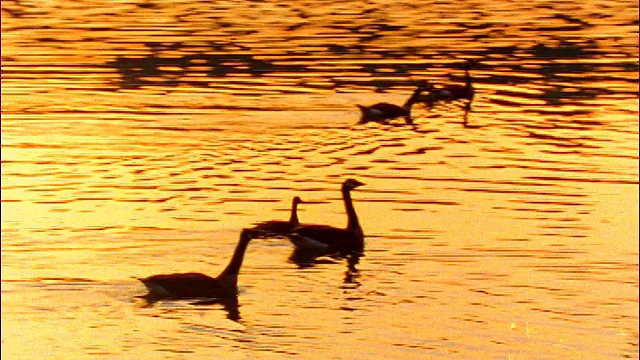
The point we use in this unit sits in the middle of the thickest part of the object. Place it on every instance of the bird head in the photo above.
(351, 184)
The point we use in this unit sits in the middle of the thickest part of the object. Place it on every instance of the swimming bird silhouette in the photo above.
(196, 285)
(318, 240)
(381, 112)
(274, 228)
(450, 92)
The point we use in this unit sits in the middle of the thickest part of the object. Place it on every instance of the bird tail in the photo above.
(364, 114)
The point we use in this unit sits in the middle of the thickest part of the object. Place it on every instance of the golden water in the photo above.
(139, 137)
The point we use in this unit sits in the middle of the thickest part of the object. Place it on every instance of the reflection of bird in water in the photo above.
(382, 112)
(312, 241)
(223, 288)
(352, 273)
(276, 228)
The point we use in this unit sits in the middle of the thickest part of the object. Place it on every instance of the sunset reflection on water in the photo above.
(139, 138)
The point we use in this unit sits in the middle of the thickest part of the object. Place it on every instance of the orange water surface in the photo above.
(140, 137)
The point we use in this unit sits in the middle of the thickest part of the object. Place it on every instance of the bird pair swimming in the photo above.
(450, 92)
(426, 94)
(319, 239)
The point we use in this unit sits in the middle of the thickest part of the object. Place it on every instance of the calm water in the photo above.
(139, 137)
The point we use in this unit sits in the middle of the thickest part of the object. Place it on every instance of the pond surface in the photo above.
(140, 137)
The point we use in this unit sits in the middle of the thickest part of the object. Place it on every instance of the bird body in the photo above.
(187, 285)
(196, 285)
(447, 93)
(453, 92)
(325, 239)
(383, 111)
(280, 227)
(328, 238)
(450, 92)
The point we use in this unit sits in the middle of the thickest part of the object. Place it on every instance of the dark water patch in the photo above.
(239, 200)
(417, 202)
(368, 152)
(182, 129)
(575, 179)
(550, 202)
(538, 210)
(571, 227)
(523, 192)
(422, 150)
(515, 240)
(135, 70)
(525, 252)
(61, 281)
(451, 259)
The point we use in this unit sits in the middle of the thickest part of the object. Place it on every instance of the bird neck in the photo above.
(352, 218)
(232, 270)
(412, 99)
(293, 219)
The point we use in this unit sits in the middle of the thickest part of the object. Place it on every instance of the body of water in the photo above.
(140, 137)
